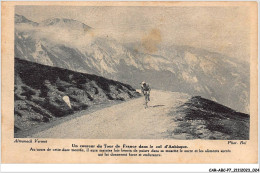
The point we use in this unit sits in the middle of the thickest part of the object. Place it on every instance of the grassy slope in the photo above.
(39, 89)
(200, 118)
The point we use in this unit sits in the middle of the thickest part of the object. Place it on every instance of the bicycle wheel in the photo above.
(146, 100)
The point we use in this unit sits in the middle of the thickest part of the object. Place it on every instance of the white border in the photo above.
(125, 167)
(120, 167)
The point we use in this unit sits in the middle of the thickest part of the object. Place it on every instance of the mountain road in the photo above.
(127, 120)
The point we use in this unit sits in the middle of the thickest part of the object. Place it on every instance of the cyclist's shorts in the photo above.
(146, 92)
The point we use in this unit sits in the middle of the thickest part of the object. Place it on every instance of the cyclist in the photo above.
(145, 88)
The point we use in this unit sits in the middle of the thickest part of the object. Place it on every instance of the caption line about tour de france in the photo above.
(139, 150)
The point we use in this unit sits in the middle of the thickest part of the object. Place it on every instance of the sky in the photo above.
(219, 29)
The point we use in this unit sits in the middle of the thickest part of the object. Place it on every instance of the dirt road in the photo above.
(128, 120)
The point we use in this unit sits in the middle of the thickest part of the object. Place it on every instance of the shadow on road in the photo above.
(157, 106)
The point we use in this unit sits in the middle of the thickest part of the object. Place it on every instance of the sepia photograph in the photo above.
(130, 82)
(132, 72)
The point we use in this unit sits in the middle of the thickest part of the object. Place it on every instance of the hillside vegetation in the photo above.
(39, 92)
(200, 118)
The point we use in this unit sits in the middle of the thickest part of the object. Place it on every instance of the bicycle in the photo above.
(147, 99)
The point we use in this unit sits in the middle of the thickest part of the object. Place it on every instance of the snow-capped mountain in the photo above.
(19, 19)
(65, 23)
(73, 45)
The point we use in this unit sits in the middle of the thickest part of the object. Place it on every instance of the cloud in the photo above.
(223, 29)
(58, 35)
(151, 40)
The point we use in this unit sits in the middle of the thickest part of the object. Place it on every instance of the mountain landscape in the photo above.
(168, 67)
(202, 94)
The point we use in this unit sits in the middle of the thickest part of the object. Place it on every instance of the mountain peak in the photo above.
(21, 19)
(64, 22)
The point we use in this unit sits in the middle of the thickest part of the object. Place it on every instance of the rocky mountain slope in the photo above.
(39, 91)
(200, 118)
(73, 45)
